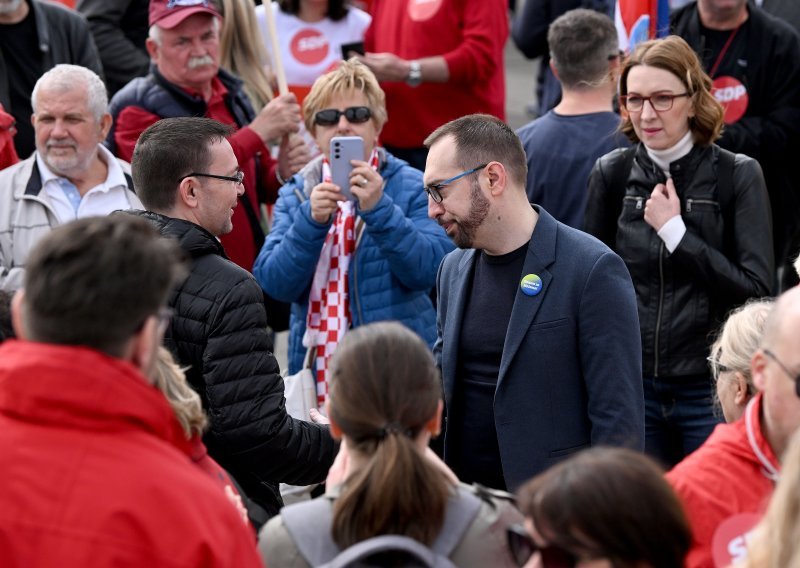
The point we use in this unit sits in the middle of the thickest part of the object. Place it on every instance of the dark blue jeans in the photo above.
(679, 416)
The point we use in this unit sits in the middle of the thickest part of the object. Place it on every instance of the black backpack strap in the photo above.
(461, 512)
(726, 194)
(619, 176)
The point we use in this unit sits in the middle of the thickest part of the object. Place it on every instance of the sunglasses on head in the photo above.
(354, 115)
(522, 547)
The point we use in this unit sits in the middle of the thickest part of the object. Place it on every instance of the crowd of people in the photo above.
(576, 344)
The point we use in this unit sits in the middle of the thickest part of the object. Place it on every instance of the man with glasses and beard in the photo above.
(70, 176)
(538, 333)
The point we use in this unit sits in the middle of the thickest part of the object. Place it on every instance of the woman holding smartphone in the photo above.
(346, 262)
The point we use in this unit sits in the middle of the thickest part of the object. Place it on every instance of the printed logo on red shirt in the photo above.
(731, 538)
(309, 47)
(732, 95)
(421, 10)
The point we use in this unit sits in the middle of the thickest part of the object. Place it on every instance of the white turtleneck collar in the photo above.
(663, 158)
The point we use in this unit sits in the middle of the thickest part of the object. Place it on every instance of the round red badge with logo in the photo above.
(421, 10)
(729, 544)
(732, 95)
(309, 46)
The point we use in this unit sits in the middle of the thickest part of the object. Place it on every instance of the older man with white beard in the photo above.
(70, 176)
(36, 36)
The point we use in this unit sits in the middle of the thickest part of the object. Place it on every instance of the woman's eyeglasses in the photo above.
(660, 102)
(354, 115)
(522, 547)
(717, 368)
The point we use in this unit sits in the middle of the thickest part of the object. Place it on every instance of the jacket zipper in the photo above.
(689, 203)
(354, 292)
(660, 305)
(639, 200)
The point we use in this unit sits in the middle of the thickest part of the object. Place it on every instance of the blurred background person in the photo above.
(380, 247)
(385, 404)
(730, 356)
(692, 223)
(119, 29)
(36, 36)
(602, 508)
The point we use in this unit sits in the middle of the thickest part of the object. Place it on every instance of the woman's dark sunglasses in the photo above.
(354, 115)
(522, 548)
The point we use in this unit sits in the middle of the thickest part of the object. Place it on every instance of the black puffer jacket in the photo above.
(684, 296)
(220, 330)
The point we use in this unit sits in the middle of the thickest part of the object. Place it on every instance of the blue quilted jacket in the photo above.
(394, 265)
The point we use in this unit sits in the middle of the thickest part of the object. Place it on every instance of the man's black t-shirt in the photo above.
(20, 50)
(490, 299)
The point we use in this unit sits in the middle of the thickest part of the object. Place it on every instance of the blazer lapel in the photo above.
(455, 317)
(541, 254)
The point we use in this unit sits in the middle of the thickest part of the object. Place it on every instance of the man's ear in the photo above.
(742, 392)
(497, 176)
(187, 193)
(757, 364)
(105, 126)
(142, 349)
(553, 69)
(16, 314)
(153, 49)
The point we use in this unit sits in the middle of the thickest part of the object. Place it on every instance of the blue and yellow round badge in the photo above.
(530, 284)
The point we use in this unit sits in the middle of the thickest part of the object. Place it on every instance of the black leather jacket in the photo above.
(220, 329)
(684, 296)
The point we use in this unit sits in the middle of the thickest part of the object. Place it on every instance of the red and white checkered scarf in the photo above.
(329, 300)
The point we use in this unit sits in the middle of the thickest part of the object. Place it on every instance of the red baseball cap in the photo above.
(169, 13)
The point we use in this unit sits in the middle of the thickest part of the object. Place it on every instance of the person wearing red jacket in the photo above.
(726, 483)
(437, 60)
(97, 470)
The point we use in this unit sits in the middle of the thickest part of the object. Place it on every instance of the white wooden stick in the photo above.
(280, 75)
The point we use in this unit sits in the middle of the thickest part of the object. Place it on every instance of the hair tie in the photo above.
(394, 428)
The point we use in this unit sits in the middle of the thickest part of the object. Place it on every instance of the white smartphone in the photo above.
(343, 149)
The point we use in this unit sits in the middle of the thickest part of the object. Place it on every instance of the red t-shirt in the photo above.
(469, 34)
(247, 146)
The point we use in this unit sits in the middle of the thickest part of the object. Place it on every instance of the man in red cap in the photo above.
(186, 80)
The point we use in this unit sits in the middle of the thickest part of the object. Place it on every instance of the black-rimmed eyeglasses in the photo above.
(795, 377)
(661, 102)
(238, 178)
(717, 368)
(434, 189)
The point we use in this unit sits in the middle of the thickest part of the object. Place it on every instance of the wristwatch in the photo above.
(414, 74)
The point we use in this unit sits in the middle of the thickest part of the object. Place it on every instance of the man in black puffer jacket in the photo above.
(187, 175)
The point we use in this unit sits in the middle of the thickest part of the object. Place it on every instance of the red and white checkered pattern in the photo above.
(329, 299)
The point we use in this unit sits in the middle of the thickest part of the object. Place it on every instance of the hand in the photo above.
(293, 154)
(386, 66)
(662, 206)
(324, 201)
(366, 184)
(279, 117)
(317, 417)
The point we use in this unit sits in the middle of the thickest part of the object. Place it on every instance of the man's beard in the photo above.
(464, 235)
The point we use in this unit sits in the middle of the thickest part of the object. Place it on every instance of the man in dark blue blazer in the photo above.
(538, 332)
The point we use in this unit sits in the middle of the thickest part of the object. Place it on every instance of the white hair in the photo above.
(154, 32)
(65, 77)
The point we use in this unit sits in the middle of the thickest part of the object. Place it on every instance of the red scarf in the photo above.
(329, 300)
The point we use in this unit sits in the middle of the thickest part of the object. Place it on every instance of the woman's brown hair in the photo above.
(673, 54)
(384, 389)
(612, 503)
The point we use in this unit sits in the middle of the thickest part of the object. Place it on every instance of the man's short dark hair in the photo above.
(581, 42)
(480, 139)
(95, 281)
(169, 150)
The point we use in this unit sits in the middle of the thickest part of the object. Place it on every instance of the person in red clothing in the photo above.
(96, 468)
(8, 154)
(186, 80)
(437, 60)
(726, 483)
